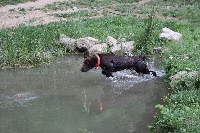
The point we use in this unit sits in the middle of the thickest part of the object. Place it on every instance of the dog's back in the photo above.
(111, 63)
(118, 62)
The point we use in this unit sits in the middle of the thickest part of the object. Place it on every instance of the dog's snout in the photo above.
(83, 70)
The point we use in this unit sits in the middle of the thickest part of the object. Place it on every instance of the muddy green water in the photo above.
(59, 98)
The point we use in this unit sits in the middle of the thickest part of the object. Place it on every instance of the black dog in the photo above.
(112, 63)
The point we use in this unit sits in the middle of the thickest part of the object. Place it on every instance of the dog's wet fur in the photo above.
(110, 63)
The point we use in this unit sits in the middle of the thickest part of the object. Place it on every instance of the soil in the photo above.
(11, 16)
(29, 14)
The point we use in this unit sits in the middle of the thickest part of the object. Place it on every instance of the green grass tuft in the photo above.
(12, 2)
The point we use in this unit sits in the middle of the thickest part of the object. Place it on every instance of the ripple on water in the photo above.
(18, 99)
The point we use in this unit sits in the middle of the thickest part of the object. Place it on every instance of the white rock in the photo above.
(128, 47)
(178, 75)
(75, 8)
(166, 30)
(116, 49)
(183, 76)
(111, 41)
(69, 43)
(98, 48)
(124, 47)
(170, 35)
(86, 42)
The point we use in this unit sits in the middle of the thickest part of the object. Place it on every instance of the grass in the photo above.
(39, 44)
(181, 111)
(181, 114)
(79, 4)
(90, 4)
(35, 42)
(36, 45)
(78, 14)
(185, 10)
(12, 2)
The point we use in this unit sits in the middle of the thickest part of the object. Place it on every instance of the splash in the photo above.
(126, 79)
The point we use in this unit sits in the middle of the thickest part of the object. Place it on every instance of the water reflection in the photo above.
(60, 98)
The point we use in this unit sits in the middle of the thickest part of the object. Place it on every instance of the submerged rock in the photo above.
(22, 99)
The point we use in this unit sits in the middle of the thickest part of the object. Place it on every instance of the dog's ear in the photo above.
(94, 59)
(143, 57)
(85, 52)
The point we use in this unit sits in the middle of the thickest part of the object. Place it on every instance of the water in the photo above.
(59, 98)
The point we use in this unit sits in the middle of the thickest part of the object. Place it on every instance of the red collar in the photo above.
(98, 61)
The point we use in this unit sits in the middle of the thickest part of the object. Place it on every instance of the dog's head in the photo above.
(141, 67)
(154, 73)
(89, 63)
(140, 58)
(85, 51)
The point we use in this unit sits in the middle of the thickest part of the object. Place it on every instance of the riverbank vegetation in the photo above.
(36, 45)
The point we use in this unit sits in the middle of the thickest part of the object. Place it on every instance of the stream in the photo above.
(59, 98)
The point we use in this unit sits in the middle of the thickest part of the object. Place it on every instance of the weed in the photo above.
(79, 4)
(6, 2)
(181, 114)
(127, 1)
(18, 10)
(83, 13)
(145, 41)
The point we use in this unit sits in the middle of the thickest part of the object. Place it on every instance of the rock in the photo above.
(183, 77)
(116, 49)
(98, 48)
(86, 42)
(69, 43)
(124, 47)
(185, 57)
(75, 8)
(123, 40)
(170, 35)
(178, 75)
(193, 74)
(128, 47)
(111, 41)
